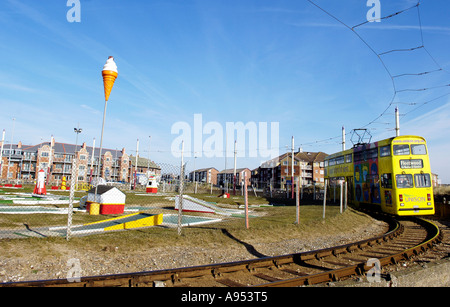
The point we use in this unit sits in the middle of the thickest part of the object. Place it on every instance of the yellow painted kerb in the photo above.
(144, 222)
(112, 219)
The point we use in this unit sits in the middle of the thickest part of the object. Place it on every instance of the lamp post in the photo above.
(77, 131)
(10, 150)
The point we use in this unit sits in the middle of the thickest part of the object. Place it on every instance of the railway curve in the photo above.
(406, 238)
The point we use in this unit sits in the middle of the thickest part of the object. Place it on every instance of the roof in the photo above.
(64, 148)
(101, 189)
(143, 162)
(311, 157)
(204, 169)
(231, 170)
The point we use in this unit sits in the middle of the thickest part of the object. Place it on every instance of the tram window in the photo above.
(422, 180)
(332, 162)
(418, 149)
(348, 158)
(386, 181)
(385, 151)
(401, 150)
(404, 181)
(372, 153)
(340, 160)
(358, 156)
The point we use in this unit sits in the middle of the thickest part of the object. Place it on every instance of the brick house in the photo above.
(205, 175)
(277, 172)
(228, 174)
(56, 160)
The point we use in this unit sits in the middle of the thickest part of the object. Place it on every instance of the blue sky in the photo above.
(250, 61)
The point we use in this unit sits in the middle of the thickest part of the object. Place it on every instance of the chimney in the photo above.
(19, 145)
(84, 145)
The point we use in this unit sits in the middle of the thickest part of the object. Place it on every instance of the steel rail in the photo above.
(217, 270)
(434, 236)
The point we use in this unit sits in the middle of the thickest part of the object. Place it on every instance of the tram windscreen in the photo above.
(418, 149)
(404, 181)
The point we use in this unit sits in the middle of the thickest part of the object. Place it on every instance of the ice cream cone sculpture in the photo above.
(109, 74)
(40, 184)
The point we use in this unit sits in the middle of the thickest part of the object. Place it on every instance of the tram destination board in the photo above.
(411, 163)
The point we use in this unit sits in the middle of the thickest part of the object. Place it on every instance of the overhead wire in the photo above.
(392, 77)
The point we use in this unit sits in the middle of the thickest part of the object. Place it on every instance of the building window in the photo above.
(45, 154)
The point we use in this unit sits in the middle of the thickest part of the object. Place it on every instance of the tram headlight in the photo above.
(402, 204)
(429, 204)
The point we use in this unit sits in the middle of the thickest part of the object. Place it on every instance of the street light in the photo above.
(77, 131)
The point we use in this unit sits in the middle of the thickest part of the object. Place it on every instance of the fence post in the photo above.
(345, 195)
(180, 198)
(246, 200)
(71, 194)
(324, 198)
(297, 201)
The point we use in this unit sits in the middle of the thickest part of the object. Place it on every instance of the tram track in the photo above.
(405, 239)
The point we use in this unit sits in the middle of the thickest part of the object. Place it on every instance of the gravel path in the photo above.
(112, 260)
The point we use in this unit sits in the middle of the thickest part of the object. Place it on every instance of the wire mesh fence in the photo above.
(167, 207)
(165, 198)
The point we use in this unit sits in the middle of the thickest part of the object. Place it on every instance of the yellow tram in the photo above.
(392, 174)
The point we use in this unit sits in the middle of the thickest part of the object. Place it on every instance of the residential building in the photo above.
(277, 172)
(205, 175)
(25, 161)
(227, 176)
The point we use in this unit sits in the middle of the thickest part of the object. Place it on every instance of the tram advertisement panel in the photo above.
(367, 180)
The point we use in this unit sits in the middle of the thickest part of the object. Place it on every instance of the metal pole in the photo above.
(136, 166)
(324, 198)
(292, 169)
(341, 198)
(77, 131)
(92, 161)
(1, 155)
(297, 202)
(180, 197)
(345, 195)
(343, 138)
(10, 148)
(72, 192)
(148, 160)
(397, 122)
(50, 159)
(225, 173)
(234, 170)
(100, 152)
(195, 180)
(246, 201)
